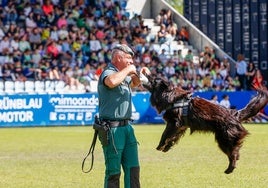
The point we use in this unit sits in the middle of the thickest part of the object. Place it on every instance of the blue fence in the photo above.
(80, 109)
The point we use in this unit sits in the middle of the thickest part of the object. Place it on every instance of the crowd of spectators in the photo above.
(72, 41)
(59, 40)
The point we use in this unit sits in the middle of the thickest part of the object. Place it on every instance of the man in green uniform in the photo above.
(115, 109)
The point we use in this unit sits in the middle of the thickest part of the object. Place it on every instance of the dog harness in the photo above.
(182, 104)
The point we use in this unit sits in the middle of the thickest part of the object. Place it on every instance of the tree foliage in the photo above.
(176, 4)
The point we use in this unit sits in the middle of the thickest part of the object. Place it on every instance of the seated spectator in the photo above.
(47, 7)
(192, 70)
(174, 79)
(162, 34)
(51, 49)
(146, 57)
(4, 45)
(189, 58)
(169, 70)
(14, 44)
(28, 70)
(53, 73)
(50, 19)
(94, 44)
(45, 34)
(236, 83)
(42, 70)
(172, 29)
(37, 9)
(181, 81)
(226, 64)
(35, 38)
(62, 21)
(90, 21)
(70, 20)
(36, 57)
(124, 22)
(218, 81)
(10, 13)
(27, 8)
(77, 45)
(223, 71)
(99, 70)
(225, 101)
(54, 35)
(202, 71)
(71, 79)
(163, 57)
(214, 99)
(184, 34)
(13, 30)
(7, 71)
(137, 36)
(21, 19)
(17, 67)
(101, 22)
(134, 22)
(88, 74)
(207, 81)
(24, 44)
(100, 34)
(144, 33)
(30, 22)
(40, 20)
(159, 17)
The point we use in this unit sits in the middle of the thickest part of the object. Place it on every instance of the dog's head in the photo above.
(159, 89)
(163, 93)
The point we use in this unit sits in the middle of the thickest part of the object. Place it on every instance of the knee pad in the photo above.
(114, 181)
(135, 177)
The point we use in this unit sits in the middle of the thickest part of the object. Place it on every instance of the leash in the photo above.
(91, 151)
(92, 147)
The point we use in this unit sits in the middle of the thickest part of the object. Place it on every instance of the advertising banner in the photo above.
(69, 109)
(80, 109)
(43, 110)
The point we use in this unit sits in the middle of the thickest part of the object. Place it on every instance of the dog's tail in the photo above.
(257, 103)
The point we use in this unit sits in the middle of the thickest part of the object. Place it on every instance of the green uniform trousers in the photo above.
(122, 150)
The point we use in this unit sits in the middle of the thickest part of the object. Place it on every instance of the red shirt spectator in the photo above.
(257, 80)
(48, 7)
(52, 49)
(184, 34)
(100, 34)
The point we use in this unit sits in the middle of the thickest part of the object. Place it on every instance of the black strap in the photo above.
(119, 123)
(91, 151)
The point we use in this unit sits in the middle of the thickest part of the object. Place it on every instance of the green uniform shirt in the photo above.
(114, 103)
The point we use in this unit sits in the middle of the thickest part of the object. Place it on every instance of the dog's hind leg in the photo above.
(233, 156)
(231, 149)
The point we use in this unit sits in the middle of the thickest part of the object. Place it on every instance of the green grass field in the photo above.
(51, 158)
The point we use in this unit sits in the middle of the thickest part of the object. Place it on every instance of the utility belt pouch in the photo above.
(102, 128)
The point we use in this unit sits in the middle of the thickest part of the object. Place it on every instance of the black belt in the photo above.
(116, 123)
